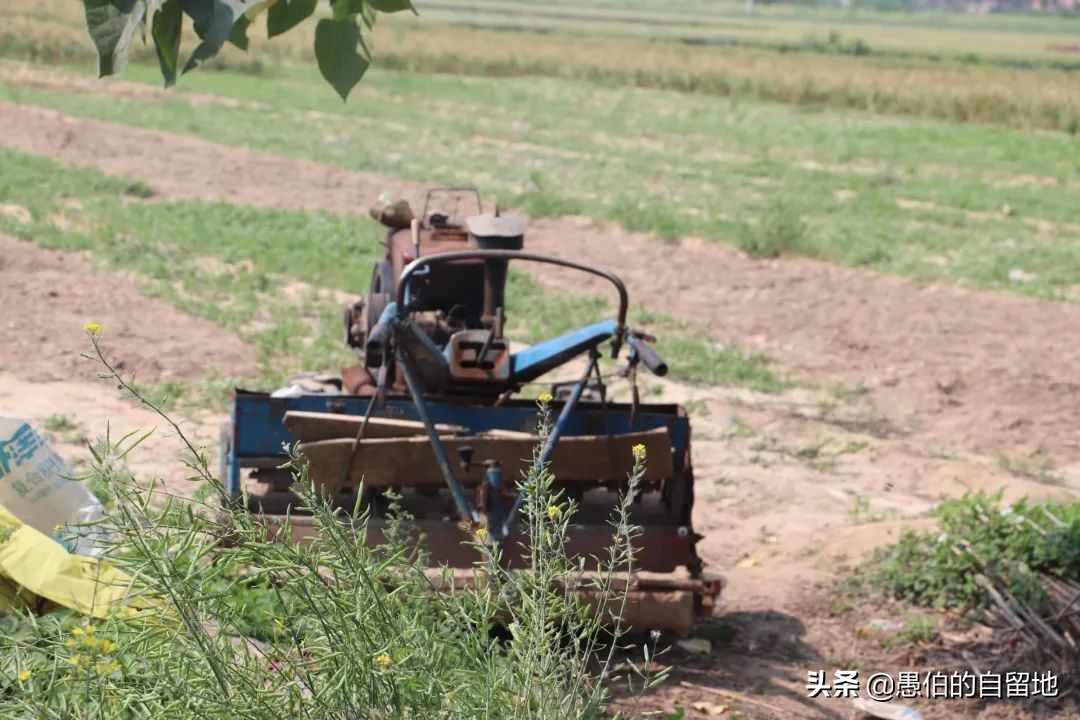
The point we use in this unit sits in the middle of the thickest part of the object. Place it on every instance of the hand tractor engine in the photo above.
(432, 416)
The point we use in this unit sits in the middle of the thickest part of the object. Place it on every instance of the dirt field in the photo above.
(904, 392)
(48, 297)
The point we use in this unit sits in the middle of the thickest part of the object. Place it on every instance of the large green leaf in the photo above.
(338, 52)
(238, 34)
(165, 29)
(112, 24)
(284, 15)
(213, 21)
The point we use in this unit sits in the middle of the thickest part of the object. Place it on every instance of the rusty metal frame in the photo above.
(415, 267)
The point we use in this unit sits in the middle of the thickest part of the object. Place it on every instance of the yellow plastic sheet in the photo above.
(33, 563)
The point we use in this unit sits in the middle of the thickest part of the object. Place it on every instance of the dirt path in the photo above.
(47, 297)
(944, 389)
(50, 295)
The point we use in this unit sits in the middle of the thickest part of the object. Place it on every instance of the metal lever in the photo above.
(554, 434)
(465, 510)
(647, 355)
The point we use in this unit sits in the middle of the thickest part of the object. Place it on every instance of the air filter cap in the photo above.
(496, 232)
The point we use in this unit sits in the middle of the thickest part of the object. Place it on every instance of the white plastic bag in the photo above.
(34, 489)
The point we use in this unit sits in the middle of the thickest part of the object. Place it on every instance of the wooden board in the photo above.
(411, 461)
(313, 426)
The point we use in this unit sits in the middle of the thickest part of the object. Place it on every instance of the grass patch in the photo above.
(897, 196)
(242, 268)
(779, 230)
(716, 364)
(914, 631)
(697, 360)
(275, 278)
(60, 423)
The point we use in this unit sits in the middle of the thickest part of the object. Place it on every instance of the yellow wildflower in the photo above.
(24, 675)
(554, 511)
(90, 642)
(75, 659)
(107, 668)
(92, 327)
(70, 643)
(481, 532)
(384, 660)
(90, 629)
(77, 632)
(107, 646)
(639, 451)
(545, 398)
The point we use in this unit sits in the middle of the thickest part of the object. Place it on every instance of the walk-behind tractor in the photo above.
(430, 414)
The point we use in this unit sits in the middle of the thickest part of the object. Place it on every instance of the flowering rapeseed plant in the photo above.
(300, 601)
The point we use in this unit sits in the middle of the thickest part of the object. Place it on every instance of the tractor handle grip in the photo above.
(647, 355)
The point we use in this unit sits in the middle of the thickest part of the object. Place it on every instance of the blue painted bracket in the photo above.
(534, 361)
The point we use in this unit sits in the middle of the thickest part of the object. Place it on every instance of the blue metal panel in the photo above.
(258, 430)
(535, 360)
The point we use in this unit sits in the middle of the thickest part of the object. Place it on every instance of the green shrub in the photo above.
(834, 44)
(1012, 544)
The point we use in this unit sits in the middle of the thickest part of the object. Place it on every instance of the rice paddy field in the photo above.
(938, 33)
(1018, 71)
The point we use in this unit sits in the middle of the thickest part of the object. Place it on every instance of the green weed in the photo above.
(922, 629)
(1039, 467)
(60, 423)
(715, 364)
(978, 536)
(779, 230)
(234, 622)
(848, 392)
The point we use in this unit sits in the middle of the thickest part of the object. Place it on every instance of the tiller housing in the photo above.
(430, 413)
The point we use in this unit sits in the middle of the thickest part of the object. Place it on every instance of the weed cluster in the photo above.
(243, 622)
(1014, 545)
(834, 43)
(779, 230)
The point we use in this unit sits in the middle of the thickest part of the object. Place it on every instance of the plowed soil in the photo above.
(48, 296)
(954, 389)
